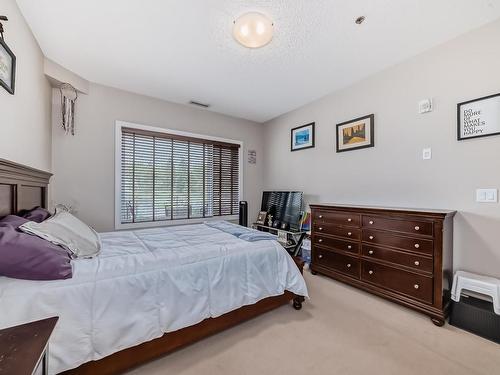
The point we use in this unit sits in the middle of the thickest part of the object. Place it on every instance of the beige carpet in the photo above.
(340, 330)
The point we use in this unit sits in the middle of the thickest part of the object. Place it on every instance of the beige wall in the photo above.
(25, 117)
(84, 165)
(393, 173)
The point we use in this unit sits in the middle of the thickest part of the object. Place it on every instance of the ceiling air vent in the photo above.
(198, 104)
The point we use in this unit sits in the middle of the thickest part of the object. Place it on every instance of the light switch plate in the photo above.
(427, 154)
(487, 195)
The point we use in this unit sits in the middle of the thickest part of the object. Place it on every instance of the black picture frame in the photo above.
(313, 131)
(372, 133)
(9, 88)
(261, 218)
(459, 118)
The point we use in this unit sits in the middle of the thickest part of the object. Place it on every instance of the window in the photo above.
(168, 176)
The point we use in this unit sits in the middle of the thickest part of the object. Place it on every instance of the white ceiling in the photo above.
(182, 50)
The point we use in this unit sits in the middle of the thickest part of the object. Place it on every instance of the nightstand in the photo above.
(24, 348)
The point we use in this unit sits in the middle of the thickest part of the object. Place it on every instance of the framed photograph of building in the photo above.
(356, 134)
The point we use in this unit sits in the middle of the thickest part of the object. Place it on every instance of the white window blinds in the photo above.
(170, 177)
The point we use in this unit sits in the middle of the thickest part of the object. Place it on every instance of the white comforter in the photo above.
(145, 283)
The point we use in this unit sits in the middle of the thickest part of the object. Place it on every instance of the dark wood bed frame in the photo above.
(23, 187)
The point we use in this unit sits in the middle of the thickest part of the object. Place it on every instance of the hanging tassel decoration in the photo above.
(68, 101)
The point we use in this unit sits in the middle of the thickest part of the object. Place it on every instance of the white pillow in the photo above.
(66, 230)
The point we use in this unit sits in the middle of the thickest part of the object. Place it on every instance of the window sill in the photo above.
(168, 223)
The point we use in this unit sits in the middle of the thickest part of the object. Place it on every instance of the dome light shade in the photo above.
(253, 30)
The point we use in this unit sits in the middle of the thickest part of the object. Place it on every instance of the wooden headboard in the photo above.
(21, 187)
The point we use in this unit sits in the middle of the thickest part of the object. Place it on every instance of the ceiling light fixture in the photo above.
(253, 30)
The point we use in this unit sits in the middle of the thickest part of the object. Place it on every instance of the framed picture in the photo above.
(356, 134)
(478, 118)
(7, 67)
(282, 237)
(261, 219)
(302, 137)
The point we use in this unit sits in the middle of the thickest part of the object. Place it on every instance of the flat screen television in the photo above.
(284, 206)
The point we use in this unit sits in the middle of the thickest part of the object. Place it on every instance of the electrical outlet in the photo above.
(427, 153)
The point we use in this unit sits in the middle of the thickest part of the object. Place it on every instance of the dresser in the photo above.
(404, 255)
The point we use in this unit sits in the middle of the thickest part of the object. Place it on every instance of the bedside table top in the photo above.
(22, 347)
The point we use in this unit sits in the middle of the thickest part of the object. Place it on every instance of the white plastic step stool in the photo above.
(476, 283)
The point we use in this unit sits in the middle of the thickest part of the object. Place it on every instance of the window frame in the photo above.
(119, 124)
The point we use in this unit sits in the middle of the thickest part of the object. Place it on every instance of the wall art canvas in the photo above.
(478, 118)
(302, 137)
(7, 67)
(356, 134)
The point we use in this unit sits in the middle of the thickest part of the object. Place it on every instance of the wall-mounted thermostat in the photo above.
(425, 106)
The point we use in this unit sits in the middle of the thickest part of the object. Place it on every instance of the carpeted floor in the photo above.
(340, 330)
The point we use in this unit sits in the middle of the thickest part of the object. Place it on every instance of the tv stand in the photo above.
(295, 237)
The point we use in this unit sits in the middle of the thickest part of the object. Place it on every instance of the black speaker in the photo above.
(243, 213)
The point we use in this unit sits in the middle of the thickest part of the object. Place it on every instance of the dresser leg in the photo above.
(438, 322)
(314, 272)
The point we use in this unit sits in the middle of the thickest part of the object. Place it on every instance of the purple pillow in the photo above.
(37, 214)
(23, 256)
(14, 220)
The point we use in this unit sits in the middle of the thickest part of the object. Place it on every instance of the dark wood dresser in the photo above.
(404, 255)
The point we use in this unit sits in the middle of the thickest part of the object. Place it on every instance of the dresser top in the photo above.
(406, 210)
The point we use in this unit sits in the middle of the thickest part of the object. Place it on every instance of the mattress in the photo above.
(146, 283)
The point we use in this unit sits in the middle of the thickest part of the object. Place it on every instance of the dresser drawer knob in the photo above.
(349, 246)
(349, 233)
(348, 265)
(320, 256)
(417, 263)
(417, 228)
(349, 220)
(370, 222)
(370, 252)
(320, 216)
(417, 246)
(416, 286)
(371, 237)
(370, 272)
(320, 228)
(320, 240)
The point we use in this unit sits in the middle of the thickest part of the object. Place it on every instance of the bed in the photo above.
(149, 292)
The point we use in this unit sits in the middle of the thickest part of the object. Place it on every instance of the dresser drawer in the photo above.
(336, 244)
(405, 259)
(398, 225)
(408, 283)
(336, 230)
(337, 217)
(338, 262)
(406, 243)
